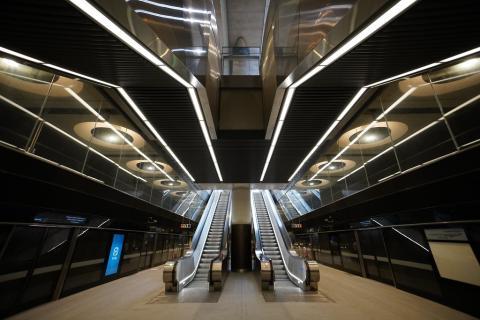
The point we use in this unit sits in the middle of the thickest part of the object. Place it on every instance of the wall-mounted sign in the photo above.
(115, 254)
(185, 226)
(297, 226)
(446, 234)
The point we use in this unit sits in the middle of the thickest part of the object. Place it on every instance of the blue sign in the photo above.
(115, 254)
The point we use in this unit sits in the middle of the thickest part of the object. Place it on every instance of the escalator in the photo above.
(214, 240)
(205, 264)
(269, 244)
(280, 266)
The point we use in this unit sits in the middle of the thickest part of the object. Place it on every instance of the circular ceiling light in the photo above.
(168, 184)
(337, 166)
(378, 135)
(109, 136)
(312, 184)
(147, 167)
(374, 134)
(101, 134)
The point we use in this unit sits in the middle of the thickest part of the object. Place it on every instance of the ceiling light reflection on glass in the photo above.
(167, 6)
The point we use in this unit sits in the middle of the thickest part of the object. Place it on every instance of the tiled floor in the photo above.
(341, 296)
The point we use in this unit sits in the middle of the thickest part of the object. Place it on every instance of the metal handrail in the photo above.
(225, 237)
(68, 226)
(294, 264)
(187, 266)
(259, 252)
(420, 224)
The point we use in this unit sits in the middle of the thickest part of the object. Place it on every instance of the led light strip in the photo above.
(128, 100)
(118, 32)
(382, 82)
(334, 55)
(203, 126)
(140, 114)
(52, 66)
(16, 105)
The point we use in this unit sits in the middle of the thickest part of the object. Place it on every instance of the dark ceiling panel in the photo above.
(241, 160)
(428, 32)
(56, 32)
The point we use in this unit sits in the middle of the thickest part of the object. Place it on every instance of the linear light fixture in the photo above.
(122, 92)
(140, 114)
(113, 28)
(203, 125)
(48, 65)
(166, 6)
(19, 55)
(138, 47)
(337, 53)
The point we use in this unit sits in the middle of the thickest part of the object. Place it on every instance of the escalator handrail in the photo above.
(225, 237)
(201, 223)
(192, 259)
(298, 277)
(259, 252)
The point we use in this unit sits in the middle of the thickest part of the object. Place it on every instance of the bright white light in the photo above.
(19, 55)
(117, 31)
(10, 63)
(80, 75)
(468, 64)
(85, 104)
(175, 76)
(352, 103)
(196, 105)
(403, 75)
(373, 27)
(286, 103)
(132, 104)
(190, 50)
(308, 75)
(161, 5)
(461, 55)
(376, 25)
(164, 16)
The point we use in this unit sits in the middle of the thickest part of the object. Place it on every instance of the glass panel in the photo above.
(349, 251)
(47, 269)
(22, 93)
(88, 262)
(458, 90)
(16, 265)
(411, 260)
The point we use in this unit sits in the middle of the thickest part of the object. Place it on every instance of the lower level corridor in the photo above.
(340, 296)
